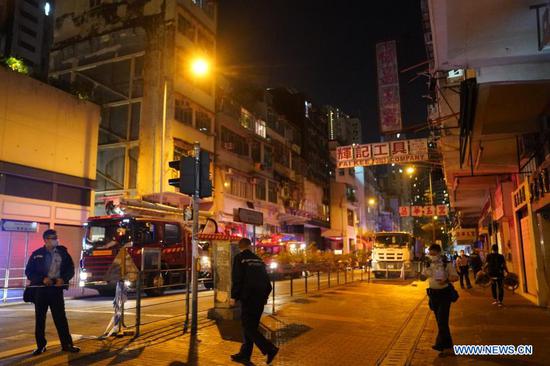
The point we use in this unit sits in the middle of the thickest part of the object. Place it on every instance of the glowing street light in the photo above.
(200, 67)
(410, 170)
(372, 201)
(435, 217)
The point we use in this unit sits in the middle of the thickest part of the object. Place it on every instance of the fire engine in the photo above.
(106, 236)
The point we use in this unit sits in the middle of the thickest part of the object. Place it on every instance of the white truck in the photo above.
(392, 254)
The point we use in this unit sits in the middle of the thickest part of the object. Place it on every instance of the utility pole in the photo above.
(195, 240)
(431, 204)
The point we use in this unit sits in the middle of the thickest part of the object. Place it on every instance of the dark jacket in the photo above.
(496, 265)
(250, 281)
(36, 269)
(475, 261)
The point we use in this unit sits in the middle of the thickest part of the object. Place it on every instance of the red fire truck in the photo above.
(106, 235)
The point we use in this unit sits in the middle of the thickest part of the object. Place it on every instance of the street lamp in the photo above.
(200, 69)
(372, 201)
(410, 170)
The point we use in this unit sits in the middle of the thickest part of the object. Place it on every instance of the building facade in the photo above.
(48, 152)
(492, 100)
(135, 61)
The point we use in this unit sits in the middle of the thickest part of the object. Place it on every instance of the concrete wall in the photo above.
(497, 38)
(45, 128)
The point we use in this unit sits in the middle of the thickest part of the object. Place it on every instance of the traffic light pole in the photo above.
(195, 241)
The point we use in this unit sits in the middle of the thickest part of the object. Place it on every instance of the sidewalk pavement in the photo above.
(474, 320)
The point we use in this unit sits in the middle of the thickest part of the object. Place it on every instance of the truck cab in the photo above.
(392, 254)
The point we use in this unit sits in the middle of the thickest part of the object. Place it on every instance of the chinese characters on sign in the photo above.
(399, 152)
(418, 211)
(388, 87)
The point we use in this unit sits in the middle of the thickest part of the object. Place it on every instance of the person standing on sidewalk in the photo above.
(462, 267)
(51, 267)
(475, 262)
(495, 266)
(440, 292)
(251, 287)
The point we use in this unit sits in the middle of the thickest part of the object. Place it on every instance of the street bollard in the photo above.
(362, 270)
(352, 270)
(345, 276)
(273, 299)
(138, 304)
(337, 276)
(368, 274)
(318, 280)
(305, 281)
(329, 278)
(291, 285)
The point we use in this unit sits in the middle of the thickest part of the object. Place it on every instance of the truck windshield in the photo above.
(107, 233)
(392, 240)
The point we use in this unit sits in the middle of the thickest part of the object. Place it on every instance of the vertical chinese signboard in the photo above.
(389, 103)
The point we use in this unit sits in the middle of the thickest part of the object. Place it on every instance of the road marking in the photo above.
(30, 348)
(92, 311)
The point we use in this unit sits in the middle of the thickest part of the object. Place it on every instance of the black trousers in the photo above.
(51, 297)
(250, 321)
(497, 288)
(464, 274)
(440, 303)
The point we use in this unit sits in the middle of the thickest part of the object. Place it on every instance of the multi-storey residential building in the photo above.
(342, 127)
(26, 33)
(494, 131)
(134, 60)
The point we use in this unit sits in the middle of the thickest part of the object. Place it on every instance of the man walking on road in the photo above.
(463, 269)
(51, 268)
(440, 292)
(251, 287)
(496, 267)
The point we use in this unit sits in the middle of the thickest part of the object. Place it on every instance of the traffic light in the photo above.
(186, 181)
(205, 182)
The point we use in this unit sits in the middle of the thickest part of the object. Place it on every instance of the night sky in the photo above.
(325, 48)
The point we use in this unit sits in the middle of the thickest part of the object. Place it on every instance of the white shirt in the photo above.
(437, 271)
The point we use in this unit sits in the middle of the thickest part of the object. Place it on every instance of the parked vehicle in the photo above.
(106, 236)
(392, 253)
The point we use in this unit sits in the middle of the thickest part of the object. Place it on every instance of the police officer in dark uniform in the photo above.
(51, 267)
(251, 286)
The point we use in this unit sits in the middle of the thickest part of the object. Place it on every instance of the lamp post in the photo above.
(200, 68)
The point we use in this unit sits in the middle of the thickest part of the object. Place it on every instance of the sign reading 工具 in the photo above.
(398, 152)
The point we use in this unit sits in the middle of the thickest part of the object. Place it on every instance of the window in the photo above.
(260, 128)
(268, 157)
(203, 122)
(351, 218)
(205, 42)
(240, 187)
(28, 16)
(234, 142)
(145, 232)
(260, 189)
(25, 45)
(351, 171)
(281, 152)
(171, 234)
(272, 192)
(247, 119)
(256, 151)
(28, 31)
(183, 111)
(350, 193)
(186, 27)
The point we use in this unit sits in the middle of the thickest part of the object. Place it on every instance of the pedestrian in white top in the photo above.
(441, 293)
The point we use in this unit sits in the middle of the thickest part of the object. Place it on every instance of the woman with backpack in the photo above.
(495, 266)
